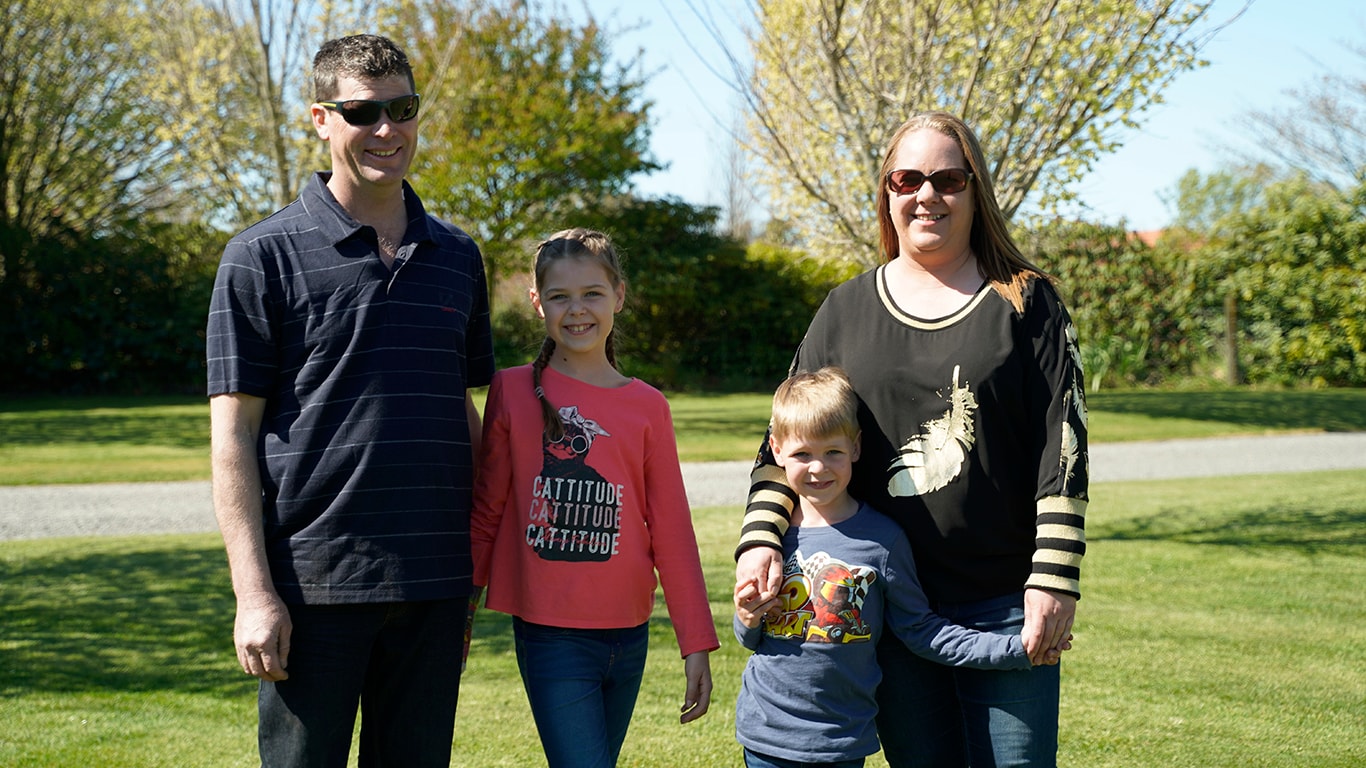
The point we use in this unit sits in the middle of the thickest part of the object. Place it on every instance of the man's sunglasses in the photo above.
(946, 182)
(366, 112)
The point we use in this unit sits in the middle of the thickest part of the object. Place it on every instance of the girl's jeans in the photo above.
(582, 686)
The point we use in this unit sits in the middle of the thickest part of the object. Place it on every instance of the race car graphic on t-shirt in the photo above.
(823, 600)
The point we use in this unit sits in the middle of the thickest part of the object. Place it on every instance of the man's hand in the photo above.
(262, 633)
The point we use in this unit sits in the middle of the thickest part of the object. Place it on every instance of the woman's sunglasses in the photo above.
(946, 182)
(366, 112)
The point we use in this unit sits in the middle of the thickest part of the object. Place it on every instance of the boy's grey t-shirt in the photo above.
(807, 692)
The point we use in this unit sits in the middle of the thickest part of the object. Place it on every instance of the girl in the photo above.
(579, 501)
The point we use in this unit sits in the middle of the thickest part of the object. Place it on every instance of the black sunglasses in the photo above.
(366, 112)
(946, 182)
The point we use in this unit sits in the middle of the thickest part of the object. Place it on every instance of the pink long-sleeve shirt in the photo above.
(572, 534)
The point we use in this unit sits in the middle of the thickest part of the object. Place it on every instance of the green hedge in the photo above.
(119, 313)
(703, 312)
(124, 312)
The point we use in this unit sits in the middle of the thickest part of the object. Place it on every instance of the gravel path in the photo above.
(31, 512)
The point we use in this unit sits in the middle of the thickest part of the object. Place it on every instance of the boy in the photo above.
(806, 698)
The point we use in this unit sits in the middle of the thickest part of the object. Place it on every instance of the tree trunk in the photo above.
(1232, 373)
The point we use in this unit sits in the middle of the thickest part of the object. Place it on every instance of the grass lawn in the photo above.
(89, 440)
(1223, 624)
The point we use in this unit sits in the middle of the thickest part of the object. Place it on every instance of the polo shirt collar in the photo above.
(336, 224)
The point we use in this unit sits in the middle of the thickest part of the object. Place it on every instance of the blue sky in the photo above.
(1274, 46)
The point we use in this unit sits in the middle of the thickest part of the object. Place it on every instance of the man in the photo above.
(344, 334)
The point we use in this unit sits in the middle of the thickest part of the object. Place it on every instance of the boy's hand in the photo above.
(1052, 655)
(751, 606)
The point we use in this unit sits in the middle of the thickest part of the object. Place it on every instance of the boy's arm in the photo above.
(930, 635)
(746, 635)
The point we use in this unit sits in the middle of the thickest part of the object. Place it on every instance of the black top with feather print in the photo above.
(974, 436)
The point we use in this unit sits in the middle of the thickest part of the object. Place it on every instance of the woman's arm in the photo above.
(768, 512)
(1059, 399)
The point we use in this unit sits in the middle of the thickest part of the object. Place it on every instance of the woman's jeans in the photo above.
(935, 716)
(399, 662)
(582, 686)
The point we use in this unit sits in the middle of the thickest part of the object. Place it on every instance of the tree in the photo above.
(238, 79)
(1043, 83)
(1274, 278)
(1123, 297)
(1209, 209)
(735, 188)
(526, 120)
(78, 142)
(1204, 205)
(1324, 133)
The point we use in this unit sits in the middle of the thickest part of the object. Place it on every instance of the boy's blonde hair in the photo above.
(815, 404)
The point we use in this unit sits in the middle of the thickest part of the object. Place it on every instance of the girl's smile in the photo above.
(578, 302)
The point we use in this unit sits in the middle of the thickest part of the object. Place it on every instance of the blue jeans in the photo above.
(582, 686)
(934, 716)
(399, 663)
(756, 760)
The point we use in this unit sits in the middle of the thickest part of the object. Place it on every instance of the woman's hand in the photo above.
(762, 566)
(1048, 623)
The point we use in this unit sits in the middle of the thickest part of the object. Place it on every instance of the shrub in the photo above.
(1121, 295)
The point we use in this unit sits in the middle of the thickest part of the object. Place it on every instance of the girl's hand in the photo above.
(697, 698)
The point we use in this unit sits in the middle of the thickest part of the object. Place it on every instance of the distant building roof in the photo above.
(1148, 237)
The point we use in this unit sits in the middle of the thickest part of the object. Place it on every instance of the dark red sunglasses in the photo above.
(905, 181)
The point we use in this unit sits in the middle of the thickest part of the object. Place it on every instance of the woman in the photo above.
(974, 425)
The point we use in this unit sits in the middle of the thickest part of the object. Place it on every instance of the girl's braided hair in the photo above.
(575, 243)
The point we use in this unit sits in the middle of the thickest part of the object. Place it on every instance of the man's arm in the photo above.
(262, 630)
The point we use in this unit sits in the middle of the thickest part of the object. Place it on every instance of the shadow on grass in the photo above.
(180, 422)
(1339, 410)
(723, 414)
(155, 619)
(1339, 530)
(152, 618)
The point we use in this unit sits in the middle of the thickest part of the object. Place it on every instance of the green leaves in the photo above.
(530, 122)
(1042, 82)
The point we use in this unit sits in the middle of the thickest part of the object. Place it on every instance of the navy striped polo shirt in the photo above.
(364, 452)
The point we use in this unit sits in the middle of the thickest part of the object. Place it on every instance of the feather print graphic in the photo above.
(933, 458)
(1075, 402)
